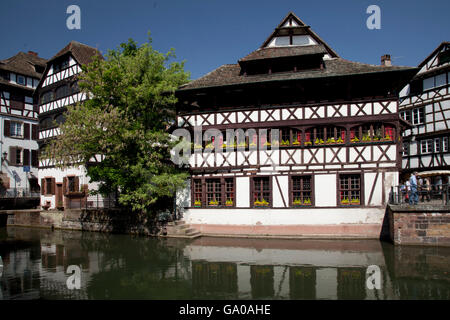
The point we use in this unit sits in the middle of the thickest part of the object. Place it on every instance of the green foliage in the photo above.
(131, 105)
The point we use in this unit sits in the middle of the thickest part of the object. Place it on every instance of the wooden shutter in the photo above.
(34, 158)
(12, 155)
(7, 128)
(42, 186)
(34, 132)
(65, 186)
(85, 189)
(26, 131)
(53, 186)
(26, 157)
(76, 183)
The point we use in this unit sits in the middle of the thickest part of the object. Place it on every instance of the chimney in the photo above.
(33, 53)
(386, 60)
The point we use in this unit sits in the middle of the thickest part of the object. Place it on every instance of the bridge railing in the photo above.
(435, 194)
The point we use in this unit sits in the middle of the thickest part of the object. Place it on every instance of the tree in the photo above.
(131, 105)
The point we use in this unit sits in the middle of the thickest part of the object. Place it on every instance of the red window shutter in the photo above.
(12, 155)
(53, 186)
(34, 158)
(26, 157)
(7, 128)
(26, 131)
(34, 132)
(42, 186)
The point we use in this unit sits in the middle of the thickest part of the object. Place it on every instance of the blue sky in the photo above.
(209, 33)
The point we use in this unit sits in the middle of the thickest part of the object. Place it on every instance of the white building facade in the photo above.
(19, 76)
(319, 148)
(425, 103)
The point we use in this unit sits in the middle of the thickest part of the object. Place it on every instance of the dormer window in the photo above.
(21, 80)
(61, 65)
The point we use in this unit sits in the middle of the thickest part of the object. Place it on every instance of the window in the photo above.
(47, 97)
(301, 191)
(71, 184)
(350, 189)
(445, 144)
(60, 118)
(426, 146)
(437, 145)
(16, 129)
(74, 87)
(405, 149)
(45, 123)
(406, 115)
(18, 159)
(444, 57)
(262, 195)
(436, 81)
(418, 115)
(197, 192)
(20, 79)
(229, 192)
(213, 192)
(60, 66)
(49, 185)
(62, 91)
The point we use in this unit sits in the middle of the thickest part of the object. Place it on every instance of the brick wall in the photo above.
(419, 225)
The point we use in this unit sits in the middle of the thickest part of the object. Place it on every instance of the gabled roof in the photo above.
(439, 48)
(24, 63)
(293, 23)
(279, 52)
(82, 53)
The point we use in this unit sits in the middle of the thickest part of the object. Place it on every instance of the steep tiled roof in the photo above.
(81, 52)
(279, 52)
(24, 63)
(230, 74)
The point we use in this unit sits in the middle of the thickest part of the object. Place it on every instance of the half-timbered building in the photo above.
(425, 103)
(19, 76)
(58, 89)
(329, 169)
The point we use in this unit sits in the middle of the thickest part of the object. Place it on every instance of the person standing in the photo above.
(414, 197)
(426, 189)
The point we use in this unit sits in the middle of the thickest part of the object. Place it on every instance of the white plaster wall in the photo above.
(277, 196)
(326, 283)
(325, 190)
(242, 192)
(279, 217)
(21, 181)
(369, 183)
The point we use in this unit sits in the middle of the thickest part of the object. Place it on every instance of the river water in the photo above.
(36, 261)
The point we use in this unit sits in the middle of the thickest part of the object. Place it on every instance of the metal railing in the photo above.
(19, 193)
(91, 204)
(435, 194)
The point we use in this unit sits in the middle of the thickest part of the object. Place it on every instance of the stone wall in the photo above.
(100, 220)
(419, 224)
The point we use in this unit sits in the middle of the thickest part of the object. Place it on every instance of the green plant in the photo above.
(308, 143)
(296, 142)
(307, 201)
(339, 140)
(345, 200)
(331, 140)
(297, 202)
(197, 146)
(209, 146)
(355, 139)
(197, 203)
(267, 144)
(284, 142)
(242, 144)
(229, 202)
(355, 201)
(388, 137)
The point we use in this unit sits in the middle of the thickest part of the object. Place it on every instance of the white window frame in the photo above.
(426, 146)
(444, 144)
(437, 145)
(416, 116)
(16, 129)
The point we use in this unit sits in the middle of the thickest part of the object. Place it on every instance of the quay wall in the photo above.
(99, 220)
(419, 225)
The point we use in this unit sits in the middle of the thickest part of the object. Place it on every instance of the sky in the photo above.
(209, 33)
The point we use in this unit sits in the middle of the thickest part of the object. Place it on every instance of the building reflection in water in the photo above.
(125, 267)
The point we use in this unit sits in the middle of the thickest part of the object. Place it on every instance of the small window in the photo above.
(62, 91)
(445, 144)
(418, 115)
(21, 79)
(71, 184)
(213, 193)
(301, 191)
(426, 146)
(229, 192)
(49, 186)
(405, 149)
(47, 97)
(350, 189)
(262, 194)
(18, 156)
(16, 129)
(198, 192)
(437, 145)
